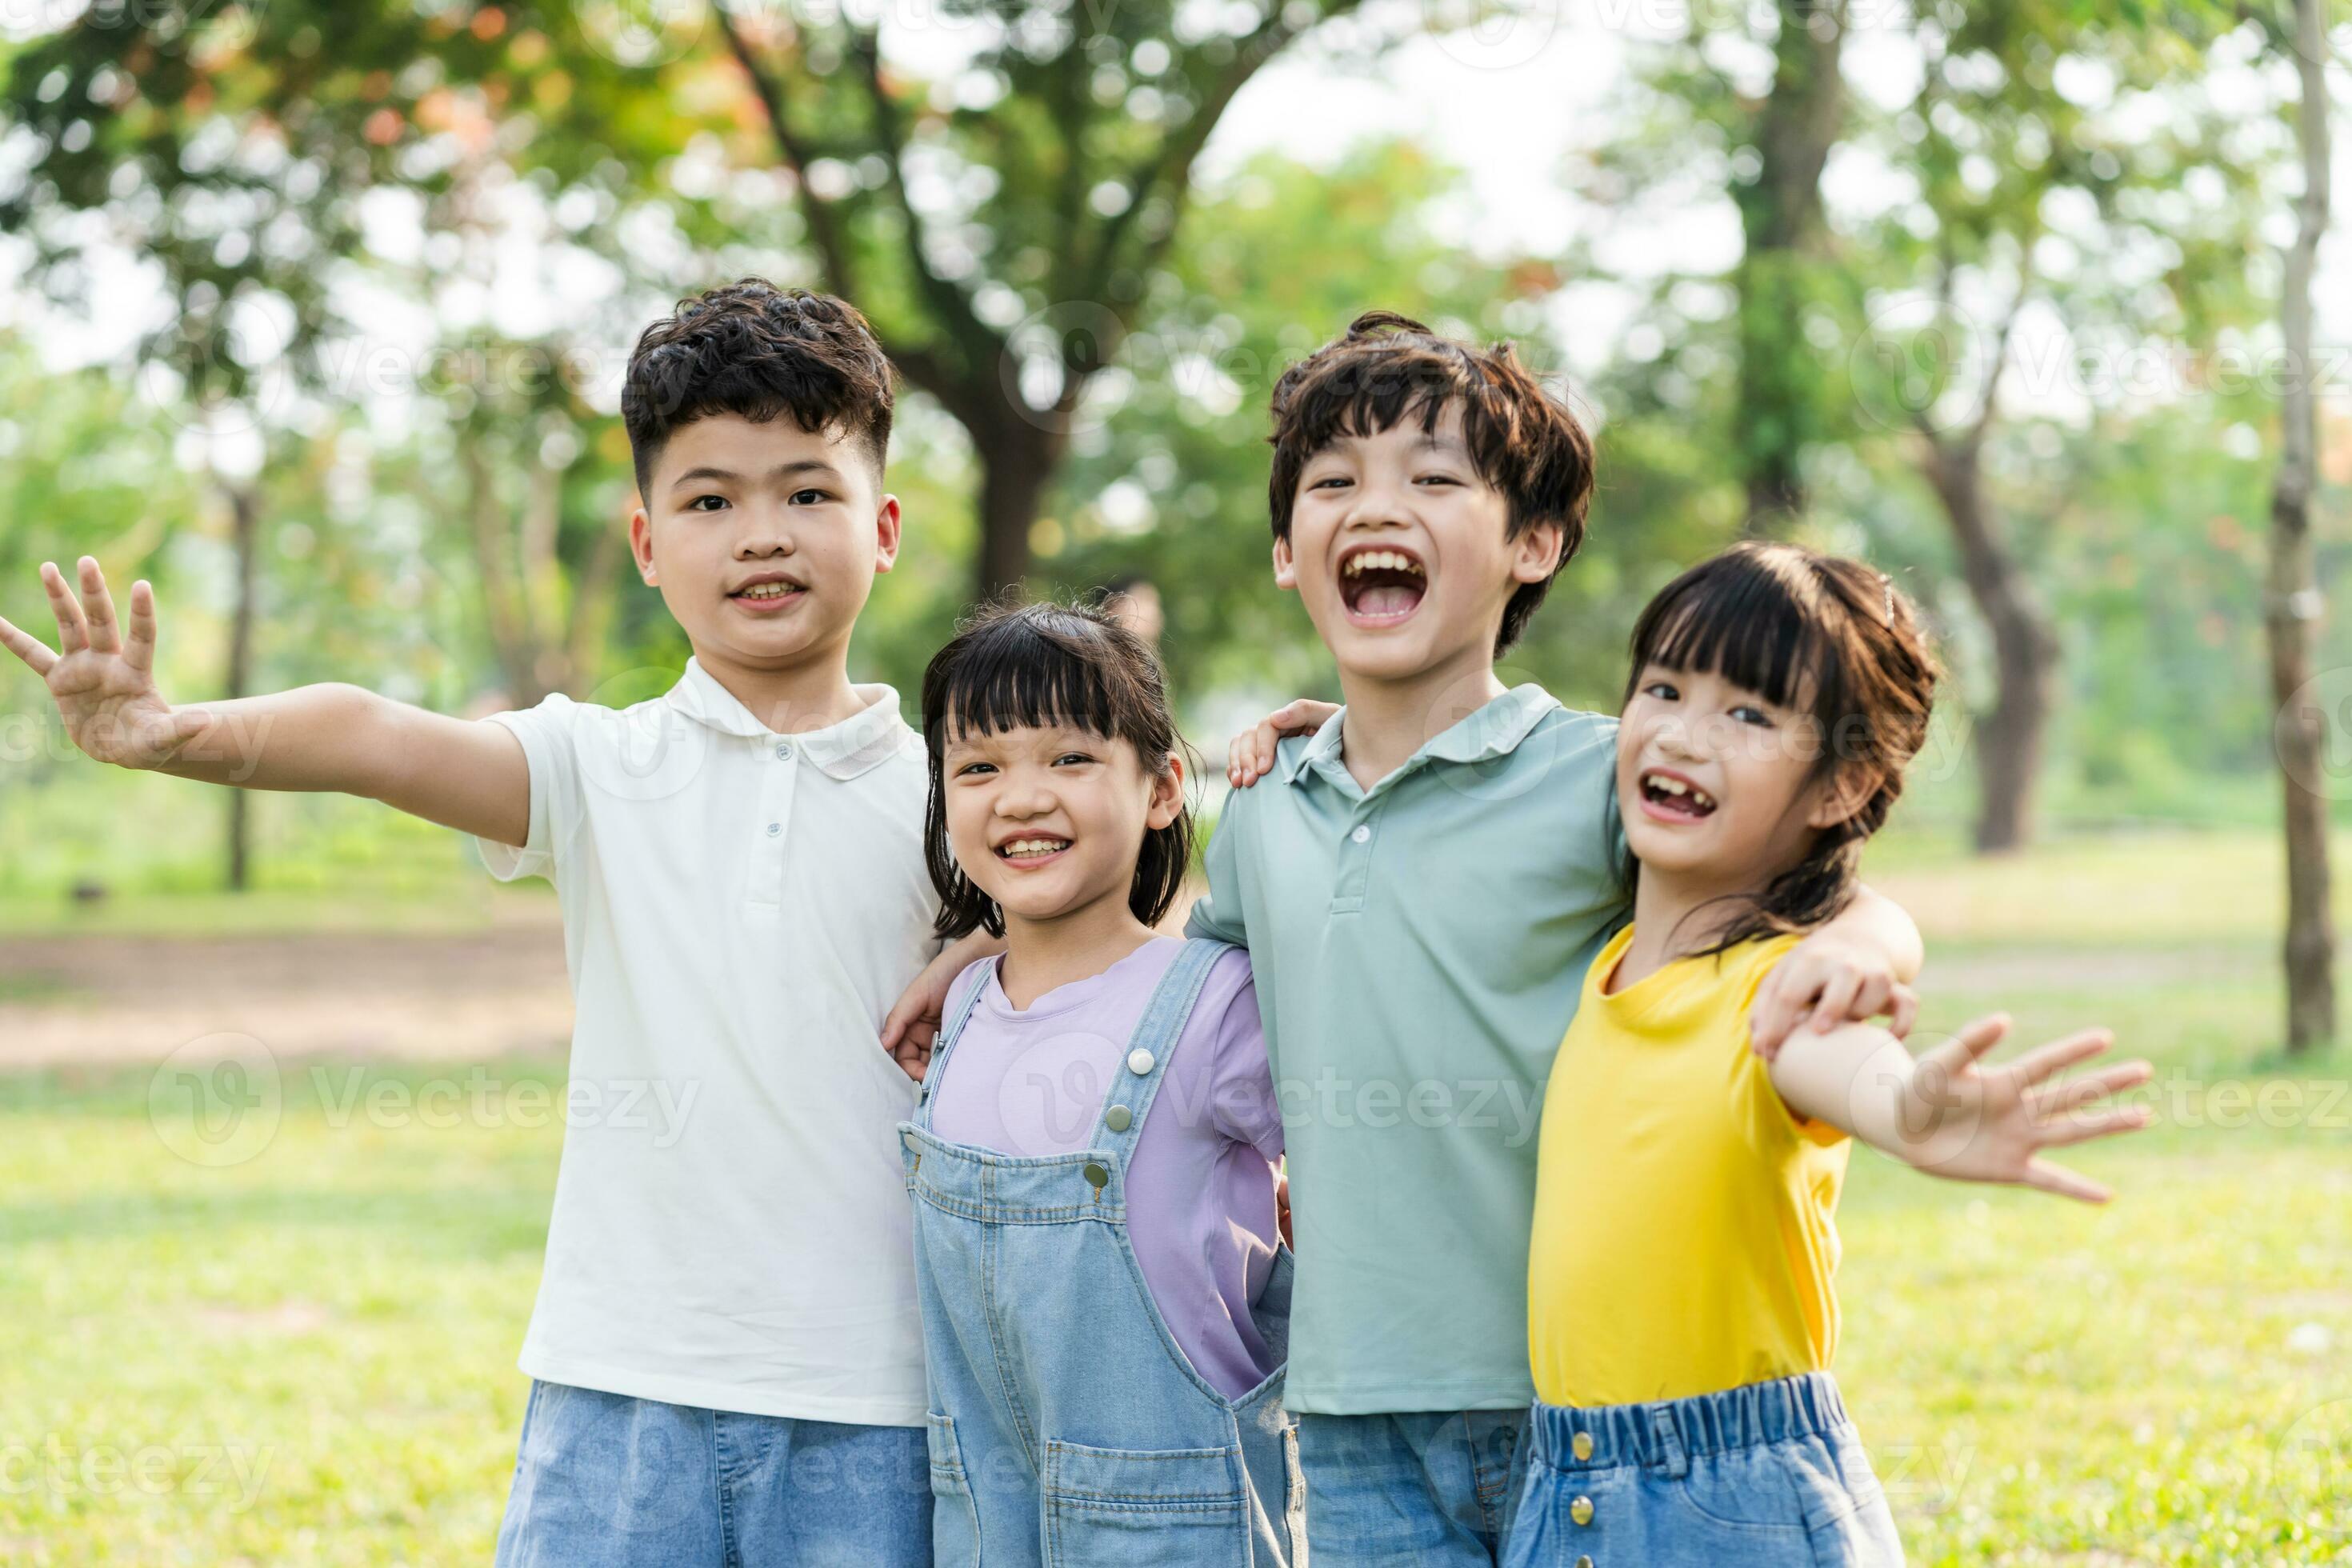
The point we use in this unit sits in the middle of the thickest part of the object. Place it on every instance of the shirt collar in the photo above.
(843, 750)
(1493, 731)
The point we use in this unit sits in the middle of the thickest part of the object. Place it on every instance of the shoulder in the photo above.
(1741, 969)
(968, 982)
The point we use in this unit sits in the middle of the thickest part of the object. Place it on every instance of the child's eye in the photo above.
(696, 504)
(1328, 479)
(1748, 713)
(1663, 691)
(810, 496)
(971, 769)
(1072, 757)
(1439, 479)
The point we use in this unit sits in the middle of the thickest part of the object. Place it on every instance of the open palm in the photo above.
(102, 678)
(1993, 1123)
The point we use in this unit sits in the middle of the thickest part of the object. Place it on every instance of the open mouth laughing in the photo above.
(1669, 797)
(1381, 584)
(1031, 850)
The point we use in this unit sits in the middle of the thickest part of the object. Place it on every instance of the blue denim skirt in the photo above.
(1770, 1475)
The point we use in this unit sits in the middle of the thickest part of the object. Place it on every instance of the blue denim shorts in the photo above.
(604, 1481)
(1769, 1476)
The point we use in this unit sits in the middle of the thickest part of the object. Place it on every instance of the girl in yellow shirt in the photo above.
(1682, 1315)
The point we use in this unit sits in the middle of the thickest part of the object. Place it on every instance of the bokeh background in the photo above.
(315, 313)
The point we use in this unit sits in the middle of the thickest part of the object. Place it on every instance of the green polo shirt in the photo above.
(1418, 949)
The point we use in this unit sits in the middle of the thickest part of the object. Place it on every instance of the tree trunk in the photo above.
(2010, 735)
(1785, 229)
(1012, 477)
(244, 521)
(2291, 614)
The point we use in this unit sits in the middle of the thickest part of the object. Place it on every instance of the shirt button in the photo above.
(1138, 1061)
(783, 751)
(1580, 1510)
(1361, 836)
(774, 828)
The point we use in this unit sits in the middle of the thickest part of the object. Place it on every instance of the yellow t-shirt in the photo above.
(1685, 1232)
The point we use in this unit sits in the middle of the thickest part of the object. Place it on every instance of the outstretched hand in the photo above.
(102, 675)
(1986, 1123)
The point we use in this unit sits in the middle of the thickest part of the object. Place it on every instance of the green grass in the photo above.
(2165, 1380)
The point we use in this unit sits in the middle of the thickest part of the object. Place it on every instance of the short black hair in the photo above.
(752, 349)
(1016, 666)
(1388, 368)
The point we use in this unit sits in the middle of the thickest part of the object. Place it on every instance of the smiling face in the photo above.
(764, 539)
(1400, 548)
(1720, 787)
(1049, 820)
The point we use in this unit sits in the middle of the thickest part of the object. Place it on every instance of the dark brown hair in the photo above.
(1824, 634)
(1017, 666)
(1388, 368)
(758, 351)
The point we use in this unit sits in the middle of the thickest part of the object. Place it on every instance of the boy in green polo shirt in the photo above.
(1421, 885)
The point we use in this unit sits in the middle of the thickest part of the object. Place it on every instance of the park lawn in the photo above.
(308, 1357)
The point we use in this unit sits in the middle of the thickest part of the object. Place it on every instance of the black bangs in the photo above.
(1751, 617)
(1041, 667)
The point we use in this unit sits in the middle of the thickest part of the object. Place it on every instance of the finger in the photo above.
(1269, 739)
(1905, 1009)
(2082, 1128)
(98, 604)
(139, 650)
(73, 633)
(1770, 1017)
(28, 648)
(1977, 1036)
(2044, 1061)
(1836, 1005)
(2065, 1183)
(2077, 1092)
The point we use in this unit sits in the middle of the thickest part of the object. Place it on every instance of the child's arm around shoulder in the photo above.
(471, 776)
(1948, 1113)
(1855, 967)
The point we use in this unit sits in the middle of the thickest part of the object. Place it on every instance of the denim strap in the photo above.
(1161, 1025)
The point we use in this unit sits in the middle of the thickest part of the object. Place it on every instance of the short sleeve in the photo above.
(1218, 914)
(1616, 849)
(1241, 1088)
(546, 734)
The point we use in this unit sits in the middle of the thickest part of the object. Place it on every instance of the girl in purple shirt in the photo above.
(1106, 1296)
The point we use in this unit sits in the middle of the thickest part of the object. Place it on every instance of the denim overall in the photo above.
(1067, 1428)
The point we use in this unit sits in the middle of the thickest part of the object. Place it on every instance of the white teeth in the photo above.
(767, 591)
(1034, 845)
(1664, 784)
(1382, 560)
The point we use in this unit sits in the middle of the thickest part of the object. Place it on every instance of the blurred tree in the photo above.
(2040, 181)
(2296, 602)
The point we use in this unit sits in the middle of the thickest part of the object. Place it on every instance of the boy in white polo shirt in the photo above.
(727, 1358)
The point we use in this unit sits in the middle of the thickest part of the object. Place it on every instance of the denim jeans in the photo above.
(1769, 1476)
(606, 1481)
(1426, 1487)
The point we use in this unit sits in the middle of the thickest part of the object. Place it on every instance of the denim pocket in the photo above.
(955, 1516)
(1144, 1508)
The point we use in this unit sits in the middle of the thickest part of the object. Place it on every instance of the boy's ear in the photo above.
(641, 545)
(886, 533)
(1167, 793)
(1847, 791)
(1285, 570)
(1537, 552)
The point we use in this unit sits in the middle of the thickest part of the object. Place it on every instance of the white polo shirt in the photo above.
(740, 909)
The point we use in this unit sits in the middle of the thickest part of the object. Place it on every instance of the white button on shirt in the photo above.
(731, 1227)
